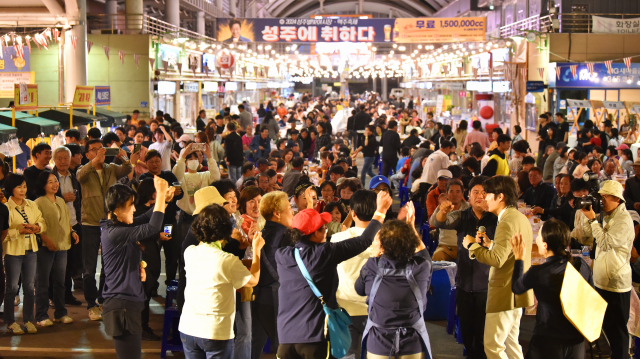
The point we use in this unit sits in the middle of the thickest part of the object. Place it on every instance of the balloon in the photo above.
(486, 112)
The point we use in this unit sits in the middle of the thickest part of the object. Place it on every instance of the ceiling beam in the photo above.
(54, 7)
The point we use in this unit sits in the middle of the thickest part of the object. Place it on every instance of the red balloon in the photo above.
(486, 112)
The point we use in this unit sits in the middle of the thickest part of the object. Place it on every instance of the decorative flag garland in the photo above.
(73, 40)
(609, 64)
(106, 51)
(19, 51)
(627, 62)
(523, 73)
(89, 44)
(558, 70)
(573, 68)
(151, 62)
(136, 58)
(121, 54)
(590, 67)
(541, 72)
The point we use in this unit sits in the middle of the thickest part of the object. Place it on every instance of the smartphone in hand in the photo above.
(136, 148)
(167, 230)
(111, 151)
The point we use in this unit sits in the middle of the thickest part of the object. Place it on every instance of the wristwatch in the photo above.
(592, 220)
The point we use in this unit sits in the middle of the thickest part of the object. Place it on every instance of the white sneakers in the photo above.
(95, 313)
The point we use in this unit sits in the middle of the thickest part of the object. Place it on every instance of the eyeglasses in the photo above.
(96, 149)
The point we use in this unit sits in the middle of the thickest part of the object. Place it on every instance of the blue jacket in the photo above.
(300, 314)
(255, 144)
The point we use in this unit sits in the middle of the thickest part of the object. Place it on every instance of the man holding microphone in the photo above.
(504, 309)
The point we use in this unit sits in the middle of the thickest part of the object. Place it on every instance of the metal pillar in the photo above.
(61, 66)
(232, 8)
(220, 5)
(134, 10)
(111, 9)
(76, 59)
(384, 89)
(172, 12)
(200, 23)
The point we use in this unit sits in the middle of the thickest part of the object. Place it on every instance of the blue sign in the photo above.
(563, 104)
(103, 95)
(10, 62)
(620, 76)
(144, 104)
(535, 86)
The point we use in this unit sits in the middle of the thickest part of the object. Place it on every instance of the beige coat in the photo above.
(500, 257)
(14, 243)
(58, 220)
(93, 206)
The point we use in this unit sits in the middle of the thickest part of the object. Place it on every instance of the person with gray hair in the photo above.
(71, 191)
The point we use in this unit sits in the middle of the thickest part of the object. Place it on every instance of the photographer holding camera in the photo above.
(613, 235)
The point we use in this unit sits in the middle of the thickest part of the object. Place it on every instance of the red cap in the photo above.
(309, 220)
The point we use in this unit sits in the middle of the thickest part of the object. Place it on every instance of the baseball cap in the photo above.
(622, 146)
(375, 181)
(612, 188)
(206, 196)
(341, 160)
(309, 220)
(444, 174)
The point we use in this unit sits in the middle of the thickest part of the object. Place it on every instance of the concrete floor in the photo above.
(86, 339)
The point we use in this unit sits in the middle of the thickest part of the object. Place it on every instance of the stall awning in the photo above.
(119, 119)
(79, 118)
(6, 132)
(30, 126)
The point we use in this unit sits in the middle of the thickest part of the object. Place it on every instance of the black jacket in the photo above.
(233, 149)
(200, 125)
(361, 120)
(540, 196)
(391, 145)
(492, 166)
(411, 141)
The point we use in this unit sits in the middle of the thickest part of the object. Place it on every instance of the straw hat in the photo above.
(206, 196)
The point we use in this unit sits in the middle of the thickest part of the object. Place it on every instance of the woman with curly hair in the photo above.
(206, 323)
(396, 301)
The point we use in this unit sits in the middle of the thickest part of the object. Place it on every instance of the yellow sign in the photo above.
(30, 98)
(439, 29)
(83, 97)
(581, 304)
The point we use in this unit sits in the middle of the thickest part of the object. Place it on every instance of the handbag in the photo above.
(337, 321)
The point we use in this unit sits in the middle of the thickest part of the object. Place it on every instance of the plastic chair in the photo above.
(403, 194)
(426, 238)
(170, 326)
(419, 214)
(172, 293)
(451, 315)
(267, 347)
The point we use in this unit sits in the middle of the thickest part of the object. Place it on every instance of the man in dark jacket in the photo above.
(540, 194)
(473, 276)
(200, 121)
(261, 144)
(233, 152)
(391, 146)
(362, 119)
(412, 140)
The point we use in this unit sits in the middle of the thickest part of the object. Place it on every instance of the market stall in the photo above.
(80, 117)
(30, 126)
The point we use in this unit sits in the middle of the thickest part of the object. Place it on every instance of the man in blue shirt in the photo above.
(23, 158)
(260, 146)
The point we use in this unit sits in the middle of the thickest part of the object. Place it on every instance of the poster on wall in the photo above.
(169, 54)
(11, 62)
(9, 79)
(439, 29)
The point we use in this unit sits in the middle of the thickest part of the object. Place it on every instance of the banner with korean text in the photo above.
(420, 30)
(605, 25)
(103, 95)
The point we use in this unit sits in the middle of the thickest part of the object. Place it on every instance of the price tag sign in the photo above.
(25, 97)
(579, 103)
(83, 97)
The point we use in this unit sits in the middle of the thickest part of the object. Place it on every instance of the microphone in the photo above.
(481, 229)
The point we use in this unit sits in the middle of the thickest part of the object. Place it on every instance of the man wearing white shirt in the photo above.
(163, 146)
(362, 210)
(439, 160)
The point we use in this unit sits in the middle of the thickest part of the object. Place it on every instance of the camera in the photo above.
(593, 199)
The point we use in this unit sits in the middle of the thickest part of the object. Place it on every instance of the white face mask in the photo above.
(193, 164)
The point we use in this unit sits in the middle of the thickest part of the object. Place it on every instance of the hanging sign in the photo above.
(535, 86)
(439, 29)
(25, 101)
(579, 103)
(103, 95)
(613, 105)
(225, 59)
(83, 97)
(615, 26)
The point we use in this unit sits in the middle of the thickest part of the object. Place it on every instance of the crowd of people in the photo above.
(266, 223)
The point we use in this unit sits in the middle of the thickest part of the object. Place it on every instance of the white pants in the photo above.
(501, 331)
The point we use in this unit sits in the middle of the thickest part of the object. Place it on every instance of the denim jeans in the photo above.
(14, 266)
(235, 172)
(242, 340)
(417, 163)
(367, 169)
(90, 248)
(54, 264)
(200, 348)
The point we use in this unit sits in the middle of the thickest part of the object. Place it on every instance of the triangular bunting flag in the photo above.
(28, 44)
(206, 71)
(429, 66)
(151, 62)
(73, 41)
(121, 54)
(55, 34)
(20, 51)
(573, 68)
(47, 32)
(627, 62)
(541, 72)
(136, 58)
(89, 44)
(608, 64)
(558, 70)
(590, 67)
(523, 73)
(106, 51)
(459, 71)
(35, 41)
